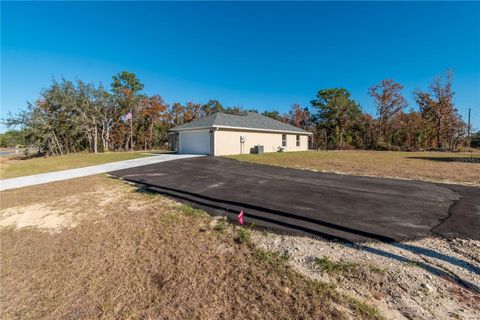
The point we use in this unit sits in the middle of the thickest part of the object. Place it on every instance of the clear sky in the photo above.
(256, 55)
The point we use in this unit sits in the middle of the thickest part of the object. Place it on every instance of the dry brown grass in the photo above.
(135, 255)
(428, 166)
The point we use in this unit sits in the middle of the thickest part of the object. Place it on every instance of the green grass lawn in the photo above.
(11, 168)
(430, 166)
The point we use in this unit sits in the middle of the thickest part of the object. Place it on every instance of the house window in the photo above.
(298, 140)
(284, 140)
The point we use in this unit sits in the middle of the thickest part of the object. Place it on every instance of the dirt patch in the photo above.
(36, 215)
(424, 279)
(133, 254)
(52, 207)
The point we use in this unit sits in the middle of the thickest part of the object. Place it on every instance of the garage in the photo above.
(221, 134)
(194, 142)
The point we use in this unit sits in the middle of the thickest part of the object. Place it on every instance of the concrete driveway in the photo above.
(26, 181)
(327, 205)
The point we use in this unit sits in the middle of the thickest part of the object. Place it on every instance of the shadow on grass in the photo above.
(28, 156)
(473, 159)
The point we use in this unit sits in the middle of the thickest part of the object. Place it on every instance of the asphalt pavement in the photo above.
(331, 206)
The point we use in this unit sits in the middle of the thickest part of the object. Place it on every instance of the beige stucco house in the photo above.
(227, 134)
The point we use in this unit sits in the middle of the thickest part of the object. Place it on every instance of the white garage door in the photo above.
(195, 142)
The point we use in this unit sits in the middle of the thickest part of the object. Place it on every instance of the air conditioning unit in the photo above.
(258, 149)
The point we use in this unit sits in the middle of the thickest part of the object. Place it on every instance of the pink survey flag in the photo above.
(128, 116)
(240, 217)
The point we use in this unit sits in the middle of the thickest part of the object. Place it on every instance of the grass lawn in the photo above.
(11, 168)
(104, 249)
(429, 166)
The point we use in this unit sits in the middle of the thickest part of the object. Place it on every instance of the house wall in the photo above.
(227, 141)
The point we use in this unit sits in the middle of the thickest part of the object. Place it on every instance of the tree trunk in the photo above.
(89, 143)
(95, 135)
(95, 139)
(58, 144)
(340, 130)
(341, 138)
(107, 140)
(439, 144)
(131, 133)
(151, 135)
(102, 135)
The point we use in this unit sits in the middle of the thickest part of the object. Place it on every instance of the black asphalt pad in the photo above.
(332, 206)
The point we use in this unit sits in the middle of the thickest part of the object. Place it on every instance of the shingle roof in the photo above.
(250, 120)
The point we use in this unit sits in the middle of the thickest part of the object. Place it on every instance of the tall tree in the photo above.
(211, 107)
(109, 113)
(299, 117)
(326, 95)
(126, 87)
(337, 114)
(274, 114)
(390, 102)
(443, 126)
(152, 114)
(409, 129)
(176, 114)
(366, 132)
(234, 110)
(126, 81)
(192, 112)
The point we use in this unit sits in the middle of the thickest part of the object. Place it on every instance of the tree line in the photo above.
(73, 116)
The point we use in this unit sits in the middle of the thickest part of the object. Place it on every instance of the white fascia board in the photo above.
(265, 130)
(242, 128)
(190, 129)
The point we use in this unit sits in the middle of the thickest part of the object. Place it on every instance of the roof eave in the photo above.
(241, 128)
(190, 128)
(260, 129)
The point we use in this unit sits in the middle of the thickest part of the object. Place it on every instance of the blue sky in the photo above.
(256, 55)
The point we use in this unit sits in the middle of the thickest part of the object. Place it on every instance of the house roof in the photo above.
(248, 120)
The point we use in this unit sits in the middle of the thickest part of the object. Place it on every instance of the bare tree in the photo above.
(442, 126)
(390, 102)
